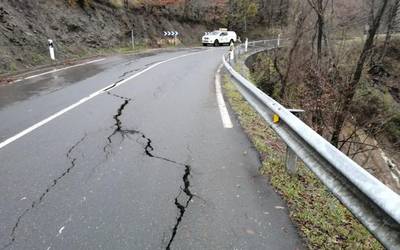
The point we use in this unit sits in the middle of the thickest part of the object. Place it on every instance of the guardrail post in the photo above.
(291, 161)
(291, 157)
(246, 45)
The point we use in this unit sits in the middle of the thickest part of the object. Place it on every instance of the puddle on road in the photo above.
(47, 84)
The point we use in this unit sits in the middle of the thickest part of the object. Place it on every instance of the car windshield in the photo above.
(214, 33)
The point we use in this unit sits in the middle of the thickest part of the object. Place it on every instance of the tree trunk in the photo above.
(299, 32)
(245, 24)
(350, 91)
(320, 25)
(390, 26)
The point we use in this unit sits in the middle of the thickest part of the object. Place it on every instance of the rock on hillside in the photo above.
(26, 25)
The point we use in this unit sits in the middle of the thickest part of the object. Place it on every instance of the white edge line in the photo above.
(85, 99)
(57, 70)
(226, 120)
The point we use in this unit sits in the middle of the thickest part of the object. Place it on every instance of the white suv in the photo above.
(218, 37)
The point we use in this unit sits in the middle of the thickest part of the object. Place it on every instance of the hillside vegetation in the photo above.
(341, 66)
(80, 28)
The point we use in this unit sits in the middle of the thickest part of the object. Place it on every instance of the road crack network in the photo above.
(149, 151)
(41, 198)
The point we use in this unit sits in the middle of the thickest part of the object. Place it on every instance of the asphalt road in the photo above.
(146, 164)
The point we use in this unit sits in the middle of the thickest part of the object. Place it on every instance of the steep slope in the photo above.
(27, 25)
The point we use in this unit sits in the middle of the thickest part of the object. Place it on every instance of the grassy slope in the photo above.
(322, 220)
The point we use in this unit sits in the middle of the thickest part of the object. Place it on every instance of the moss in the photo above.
(323, 221)
(393, 128)
(13, 67)
(37, 59)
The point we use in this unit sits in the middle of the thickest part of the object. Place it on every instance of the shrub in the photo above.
(82, 3)
(393, 129)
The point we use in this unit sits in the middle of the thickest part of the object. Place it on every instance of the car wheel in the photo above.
(216, 43)
(231, 42)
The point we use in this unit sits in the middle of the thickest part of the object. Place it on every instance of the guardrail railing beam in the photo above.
(375, 205)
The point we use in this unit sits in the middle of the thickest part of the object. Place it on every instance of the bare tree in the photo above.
(299, 30)
(319, 7)
(350, 90)
(394, 8)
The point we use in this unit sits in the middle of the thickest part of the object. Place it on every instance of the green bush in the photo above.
(264, 75)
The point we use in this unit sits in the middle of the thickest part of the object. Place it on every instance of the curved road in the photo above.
(141, 160)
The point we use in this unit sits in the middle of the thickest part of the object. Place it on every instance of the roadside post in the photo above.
(232, 52)
(51, 49)
(246, 45)
(133, 40)
(366, 31)
(291, 157)
(279, 40)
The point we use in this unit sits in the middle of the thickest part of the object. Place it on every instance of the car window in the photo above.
(214, 33)
(224, 34)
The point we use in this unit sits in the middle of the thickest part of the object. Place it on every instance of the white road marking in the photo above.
(226, 120)
(57, 70)
(61, 230)
(85, 99)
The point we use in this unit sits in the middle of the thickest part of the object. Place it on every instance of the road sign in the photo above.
(171, 33)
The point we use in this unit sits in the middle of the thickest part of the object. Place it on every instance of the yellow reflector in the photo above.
(276, 118)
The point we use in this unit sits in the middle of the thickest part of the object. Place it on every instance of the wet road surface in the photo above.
(144, 165)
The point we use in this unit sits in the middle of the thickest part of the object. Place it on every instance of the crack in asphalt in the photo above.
(181, 207)
(152, 63)
(131, 71)
(126, 73)
(148, 148)
(113, 86)
(117, 124)
(149, 152)
(53, 184)
(120, 97)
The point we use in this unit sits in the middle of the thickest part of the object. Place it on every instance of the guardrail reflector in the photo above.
(275, 118)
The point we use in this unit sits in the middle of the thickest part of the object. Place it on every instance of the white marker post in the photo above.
(279, 40)
(246, 45)
(232, 53)
(366, 31)
(51, 49)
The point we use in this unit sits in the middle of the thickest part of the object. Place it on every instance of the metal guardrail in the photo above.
(374, 204)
